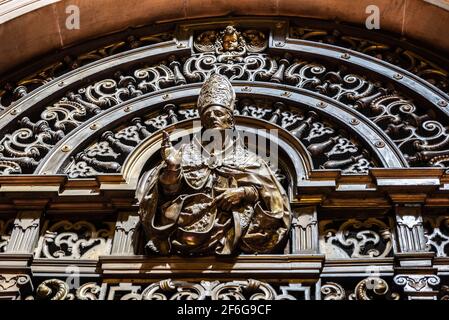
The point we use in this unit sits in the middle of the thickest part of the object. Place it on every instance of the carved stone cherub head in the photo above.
(230, 39)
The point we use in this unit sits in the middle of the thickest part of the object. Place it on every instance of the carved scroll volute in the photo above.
(333, 291)
(304, 237)
(410, 229)
(53, 289)
(14, 286)
(373, 288)
(419, 286)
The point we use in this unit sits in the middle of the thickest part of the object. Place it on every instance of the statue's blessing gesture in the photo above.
(208, 197)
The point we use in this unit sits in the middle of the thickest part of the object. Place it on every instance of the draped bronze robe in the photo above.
(189, 222)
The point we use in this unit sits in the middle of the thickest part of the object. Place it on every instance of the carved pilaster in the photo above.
(414, 264)
(125, 236)
(410, 229)
(14, 286)
(304, 230)
(419, 286)
(25, 233)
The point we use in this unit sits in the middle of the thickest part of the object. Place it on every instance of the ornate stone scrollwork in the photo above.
(234, 290)
(339, 84)
(14, 286)
(15, 89)
(371, 288)
(88, 291)
(444, 293)
(22, 147)
(56, 289)
(10, 281)
(419, 286)
(255, 41)
(419, 135)
(329, 146)
(355, 238)
(417, 131)
(257, 67)
(395, 54)
(79, 240)
(10, 167)
(29, 144)
(417, 282)
(168, 289)
(231, 53)
(436, 230)
(110, 152)
(53, 289)
(333, 291)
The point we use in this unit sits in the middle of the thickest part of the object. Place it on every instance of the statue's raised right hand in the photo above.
(170, 155)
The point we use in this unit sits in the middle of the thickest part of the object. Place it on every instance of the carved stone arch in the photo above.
(296, 99)
(339, 74)
(362, 188)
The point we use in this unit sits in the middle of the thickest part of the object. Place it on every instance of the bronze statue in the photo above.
(222, 199)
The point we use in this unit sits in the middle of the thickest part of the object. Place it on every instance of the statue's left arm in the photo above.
(270, 225)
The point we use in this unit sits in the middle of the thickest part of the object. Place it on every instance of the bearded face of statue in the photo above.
(217, 117)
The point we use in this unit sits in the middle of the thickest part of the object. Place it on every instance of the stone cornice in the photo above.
(379, 188)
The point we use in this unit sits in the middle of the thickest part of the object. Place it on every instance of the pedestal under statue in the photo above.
(221, 199)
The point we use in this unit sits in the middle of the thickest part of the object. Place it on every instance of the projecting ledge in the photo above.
(63, 267)
(262, 266)
(358, 267)
(18, 262)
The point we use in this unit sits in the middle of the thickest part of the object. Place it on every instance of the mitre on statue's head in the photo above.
(216, 91)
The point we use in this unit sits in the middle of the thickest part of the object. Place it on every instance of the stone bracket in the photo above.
(416, 274)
